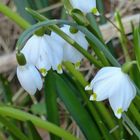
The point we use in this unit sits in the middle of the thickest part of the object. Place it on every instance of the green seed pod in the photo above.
(21, 59)
(79, 17)
(40, 32)
(73, 30)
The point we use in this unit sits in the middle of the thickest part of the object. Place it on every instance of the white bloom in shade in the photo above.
(29, 78)
(86, 6)
(113, 84)
(43, 52)
(70, 53)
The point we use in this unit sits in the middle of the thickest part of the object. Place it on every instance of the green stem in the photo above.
(23, 116)
(103, 111)
(122, 36)
(135, 113)
(89, 35)
(131, 125)
(14, 16)
(64, 36)
(13, 129)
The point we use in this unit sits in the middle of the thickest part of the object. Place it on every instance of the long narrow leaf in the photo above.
(77, 111)
(51, 101)
(34, 135)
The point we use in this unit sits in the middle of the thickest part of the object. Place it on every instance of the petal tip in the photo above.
(88, 87)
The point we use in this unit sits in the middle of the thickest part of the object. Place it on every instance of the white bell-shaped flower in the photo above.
(86, 6)
(43, 52)
(113, 84)
(70, 53)
(55, 53)
(29, 78)
(35, 53)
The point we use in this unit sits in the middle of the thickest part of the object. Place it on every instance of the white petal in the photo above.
(43, 63)
(31, 49)
(56, 52)
(105, 73)
(70, 53)
(35, 75)
(118, 98)
(26, 80)
(84, 6)
(88, 87)
(105, 88)
(129, 92)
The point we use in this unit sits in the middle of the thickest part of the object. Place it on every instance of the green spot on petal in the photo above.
(95, 11)
(94, 96)
(119, 111)
(59, 69)
(43, 71)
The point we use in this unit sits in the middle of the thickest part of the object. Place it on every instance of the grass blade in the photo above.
(78, 112)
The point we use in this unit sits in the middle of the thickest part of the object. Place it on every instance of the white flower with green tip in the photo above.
(113, 84)
(70, 53)
(86, 6)
(43, 52)
(29, 78)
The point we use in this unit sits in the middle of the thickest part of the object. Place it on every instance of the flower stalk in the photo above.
(23, 116)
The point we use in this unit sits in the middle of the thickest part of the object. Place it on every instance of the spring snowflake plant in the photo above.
(44, 52)
(49, 48)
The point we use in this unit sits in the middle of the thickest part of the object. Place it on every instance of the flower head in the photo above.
(44, 53)
(113, 84)
(70, 53)
(85, 6)
(29, 78)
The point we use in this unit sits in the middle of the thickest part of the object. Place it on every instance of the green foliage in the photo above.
(95, 120)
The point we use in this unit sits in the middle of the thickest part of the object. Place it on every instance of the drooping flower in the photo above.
(86, 6)
(113, 84)
(29, 78)
(43, 52)
(70, 53)
(55, 54)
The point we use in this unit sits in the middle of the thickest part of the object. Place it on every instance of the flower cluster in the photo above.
(113, 84)
(46, 52)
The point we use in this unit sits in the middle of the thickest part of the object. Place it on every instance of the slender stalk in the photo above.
(99, 106)
(122, 36)
(89, 35)
(23, 116)
(13, 129)
(14, 16)
(135, 113)
(131, 125)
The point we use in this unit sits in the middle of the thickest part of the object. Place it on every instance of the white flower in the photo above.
(55, 53)
(70, 53)
(113, 84)
(29, 78)
(43, 52)
(86, 6)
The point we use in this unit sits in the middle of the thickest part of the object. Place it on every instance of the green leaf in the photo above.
(76, 109)
(7, 92)
(137, 46)
(21, 5)
(13, 129)
(34, 135)
(51, 101)
(24, 116)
